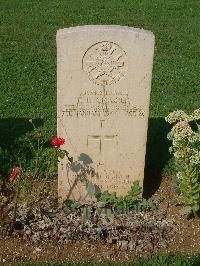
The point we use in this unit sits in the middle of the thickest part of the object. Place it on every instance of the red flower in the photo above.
(57, 142)
(15, 172)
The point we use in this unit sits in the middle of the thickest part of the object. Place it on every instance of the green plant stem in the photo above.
(48, 169)
(37, 158)
(187, 171)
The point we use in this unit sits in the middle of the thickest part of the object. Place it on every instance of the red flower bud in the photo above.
(57, 142)
(15, 172)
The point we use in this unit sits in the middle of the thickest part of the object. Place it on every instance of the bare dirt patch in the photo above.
(52, 233)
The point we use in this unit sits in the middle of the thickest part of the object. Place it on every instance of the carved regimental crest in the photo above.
(105, 63)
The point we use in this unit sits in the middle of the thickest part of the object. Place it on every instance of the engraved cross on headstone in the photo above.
(101, 137)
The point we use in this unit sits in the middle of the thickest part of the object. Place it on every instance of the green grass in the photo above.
(156, 260)
(28, 61)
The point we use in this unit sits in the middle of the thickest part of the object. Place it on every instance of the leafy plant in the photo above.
(38, 157)
(46, 156)
(185, 137)
(22, 180)
(131, 201)
(109, 204)
(20, 183)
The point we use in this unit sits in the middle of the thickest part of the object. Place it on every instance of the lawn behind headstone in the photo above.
(28, 63)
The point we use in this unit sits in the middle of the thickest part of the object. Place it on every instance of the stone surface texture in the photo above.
(103, 92)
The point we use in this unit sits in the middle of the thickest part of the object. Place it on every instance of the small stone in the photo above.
(123, 244)
(37, 250)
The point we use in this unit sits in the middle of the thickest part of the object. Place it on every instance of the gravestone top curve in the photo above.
(61, 32)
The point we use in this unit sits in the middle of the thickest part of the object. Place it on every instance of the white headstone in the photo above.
(104, 83)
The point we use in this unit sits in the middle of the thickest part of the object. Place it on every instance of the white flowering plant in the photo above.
(185, 137)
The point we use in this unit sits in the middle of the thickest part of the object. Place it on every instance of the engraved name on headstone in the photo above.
(103, 92)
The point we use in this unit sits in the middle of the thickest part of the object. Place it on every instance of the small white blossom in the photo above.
(181, 130)
(186, 149)
(196, 114)
(175, 116)
(195, 157)
(194, 138)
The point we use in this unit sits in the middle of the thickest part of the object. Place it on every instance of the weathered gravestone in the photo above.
(104, 82)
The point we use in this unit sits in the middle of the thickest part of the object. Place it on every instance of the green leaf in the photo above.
(195, 208)
(136, 188)
(196, 196)
(108, 197)
(91, 189)
(186, 210)
(69, 202)
(76, 204)
(87, 213)
(121, 207)
(61, 154)
(151, 205)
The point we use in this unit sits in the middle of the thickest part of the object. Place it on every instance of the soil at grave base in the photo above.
(187, 239)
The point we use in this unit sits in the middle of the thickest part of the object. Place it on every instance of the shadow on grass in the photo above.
(14, 147)
(12, 130)
(157, 154)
